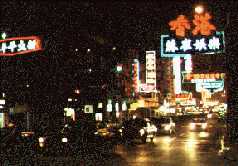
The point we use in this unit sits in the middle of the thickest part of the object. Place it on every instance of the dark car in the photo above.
(138, 129)
(108, 131)
(165, 125)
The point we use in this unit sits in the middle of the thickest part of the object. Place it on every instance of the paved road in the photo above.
(186, 148)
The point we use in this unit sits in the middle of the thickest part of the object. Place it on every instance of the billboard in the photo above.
(213, 82)
(151, 69)
(171, 46)
(19, 45)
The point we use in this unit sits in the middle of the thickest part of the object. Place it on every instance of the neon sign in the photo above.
(204, 77)
(19, 45)
(135, 78)
(213, 86)
(151, 69)
(201, 22)
(171, 46)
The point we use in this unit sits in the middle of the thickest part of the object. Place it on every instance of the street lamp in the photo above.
(199, 9)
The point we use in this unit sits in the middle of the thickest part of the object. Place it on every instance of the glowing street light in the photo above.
(199, 9)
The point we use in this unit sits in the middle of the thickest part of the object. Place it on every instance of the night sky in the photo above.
(66, 26)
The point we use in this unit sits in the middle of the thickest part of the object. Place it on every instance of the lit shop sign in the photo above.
(19, 45)
(135, 75)
(144, 88)
(181, 46)
(196, 36)
(151, 69)
(212, 86)
(192, 77)
(184, 96)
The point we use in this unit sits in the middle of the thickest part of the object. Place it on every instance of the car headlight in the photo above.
(204, 125)
(192, 126)
(154, 128)
(142, 132)
(64, 140)
(96, 133)
(41, 139)
(209, 116)
(167, 127)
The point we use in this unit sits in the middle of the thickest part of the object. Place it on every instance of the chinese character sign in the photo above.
(207, 44)
(20, 45)
(180, 25)
(151, 69)
(204, 77)
(201, 25)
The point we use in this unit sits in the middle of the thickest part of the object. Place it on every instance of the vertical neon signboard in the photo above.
(151, 69)
(177, 75)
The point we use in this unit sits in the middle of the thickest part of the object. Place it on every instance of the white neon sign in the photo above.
(177, 75)
(19, 45)
(151, 69)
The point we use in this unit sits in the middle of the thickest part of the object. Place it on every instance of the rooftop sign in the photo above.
(19, 45)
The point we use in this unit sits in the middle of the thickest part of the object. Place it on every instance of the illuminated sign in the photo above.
(202, 77)
(1, 120)
(69, 112)
(201, 24)
(213, 86)
(184, 96)
(151, 69)
(135, 77)
(19, 45)
(180, 25)
(109, 105)
(177, 75)
(124, 106)
(98, 116)
(144, 88)
(188, 64)
(171, 46)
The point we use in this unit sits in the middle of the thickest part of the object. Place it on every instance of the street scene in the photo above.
(118, 83)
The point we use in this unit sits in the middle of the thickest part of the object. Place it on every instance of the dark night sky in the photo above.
(65, 26)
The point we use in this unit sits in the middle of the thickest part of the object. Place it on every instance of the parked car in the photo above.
(138, 129)
(165, 125)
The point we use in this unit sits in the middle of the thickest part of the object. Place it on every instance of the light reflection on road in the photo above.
(187, 147)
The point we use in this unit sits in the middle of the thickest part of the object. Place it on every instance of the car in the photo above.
(165, 125)
(198, 124)
(108, 132)
(138, 128)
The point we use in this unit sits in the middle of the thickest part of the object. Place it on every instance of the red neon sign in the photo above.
(201, 24)
(20, 45)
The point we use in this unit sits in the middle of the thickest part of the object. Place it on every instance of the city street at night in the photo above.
(119, 83)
